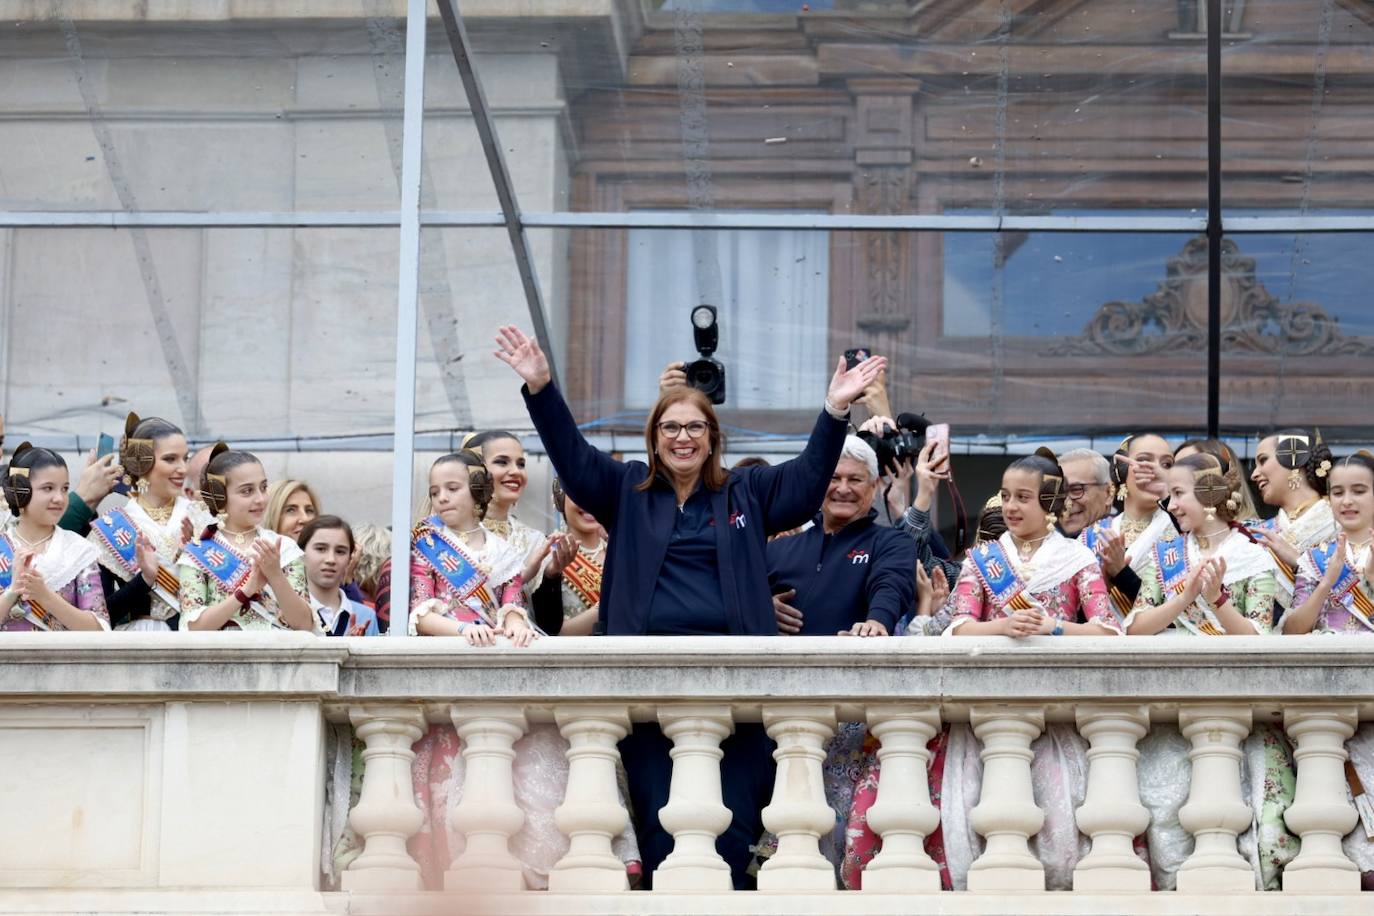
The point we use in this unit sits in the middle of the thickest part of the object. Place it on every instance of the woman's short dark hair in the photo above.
(324, 523)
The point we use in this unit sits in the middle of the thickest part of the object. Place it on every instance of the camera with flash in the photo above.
(706, 374)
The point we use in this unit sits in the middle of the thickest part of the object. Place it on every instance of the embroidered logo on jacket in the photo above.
(857, 556)
(737, 519)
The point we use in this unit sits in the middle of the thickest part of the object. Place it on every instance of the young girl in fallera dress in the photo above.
(1211, 580)
(140, 541)
(49, 577)
(236, 574)
(466, 581)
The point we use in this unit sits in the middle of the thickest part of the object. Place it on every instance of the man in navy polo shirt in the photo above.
(845, 574)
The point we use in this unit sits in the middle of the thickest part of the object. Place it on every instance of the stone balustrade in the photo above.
(185, 772)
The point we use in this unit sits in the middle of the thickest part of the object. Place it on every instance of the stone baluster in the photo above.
(591, 815)
(798, 813)
(695, 814)
(902, 814)
(1215, 813)
(1006, 814)
(487, 815)
(1111, 813)
(386, 815)
(1321, 813)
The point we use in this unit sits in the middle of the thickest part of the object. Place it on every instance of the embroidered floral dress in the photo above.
(1314, 525)
(201, 590)
(68, 565)
(528, 541)
(120, 559)
(1337, 616)
(1268, 780)
(1062, 577)
(541, 763)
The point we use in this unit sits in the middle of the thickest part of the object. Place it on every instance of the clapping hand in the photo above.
(188, 531)
(562, 550)
(1112, 553)
(1337, 562)
(523, 355)
(148, 562)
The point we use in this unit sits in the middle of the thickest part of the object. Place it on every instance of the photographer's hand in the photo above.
(523, 355)
(848, 384)
(674, 376)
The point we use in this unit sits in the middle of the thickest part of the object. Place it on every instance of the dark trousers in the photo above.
(746, 777)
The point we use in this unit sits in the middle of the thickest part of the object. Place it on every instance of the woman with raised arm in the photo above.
(686, 556)
(49, 577)
(139, 542)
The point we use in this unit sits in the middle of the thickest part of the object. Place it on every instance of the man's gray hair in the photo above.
(1102, 468)
(862, 452)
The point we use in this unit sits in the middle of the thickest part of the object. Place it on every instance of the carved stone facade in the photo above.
(1174, 317)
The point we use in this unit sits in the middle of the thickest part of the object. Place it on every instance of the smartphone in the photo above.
(105, 445)
(938, 433)
(853, 357)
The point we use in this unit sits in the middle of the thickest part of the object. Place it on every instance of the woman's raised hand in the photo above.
(848, 384)
(523, 355)
(1336, 565)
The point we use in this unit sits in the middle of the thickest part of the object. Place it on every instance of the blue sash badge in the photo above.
(998, 575)
(6, 562)
(446, 559)
(1321, 558)
(219, 561)
(1171, 558)
(1093, 535)
(118, 533)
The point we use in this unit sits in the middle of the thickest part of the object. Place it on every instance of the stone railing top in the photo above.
(1269, 672)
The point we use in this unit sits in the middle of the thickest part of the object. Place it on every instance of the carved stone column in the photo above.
(386, 815)
(591, 814)
(695, 814)
(1215, 813)
(798, 812)
(1111, 813)
(1006, 814)
(1321, 813)
(487, 815)
(903, 815)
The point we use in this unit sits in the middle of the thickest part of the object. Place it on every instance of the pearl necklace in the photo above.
(32, 545)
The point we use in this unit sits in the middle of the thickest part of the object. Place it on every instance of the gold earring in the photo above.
(1294, 479)
(1210, 513)
(1050, 521)
(142, 486)
(1123, 493)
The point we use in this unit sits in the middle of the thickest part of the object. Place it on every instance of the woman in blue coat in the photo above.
(686, 555)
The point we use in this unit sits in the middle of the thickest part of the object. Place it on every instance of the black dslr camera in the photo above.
(900, 444)
(707, 375)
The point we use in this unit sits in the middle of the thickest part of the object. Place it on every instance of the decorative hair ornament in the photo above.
(1323, 469)
(18, 490)
(214, 488)
(136, 456)
(560, 499)
(994, 502)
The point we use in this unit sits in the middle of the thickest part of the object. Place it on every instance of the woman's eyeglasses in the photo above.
(695, 429)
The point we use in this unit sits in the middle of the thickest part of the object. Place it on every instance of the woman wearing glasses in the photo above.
(686, 556)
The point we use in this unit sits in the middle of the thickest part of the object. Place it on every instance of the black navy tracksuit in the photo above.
(698, 570)
(861, 572)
